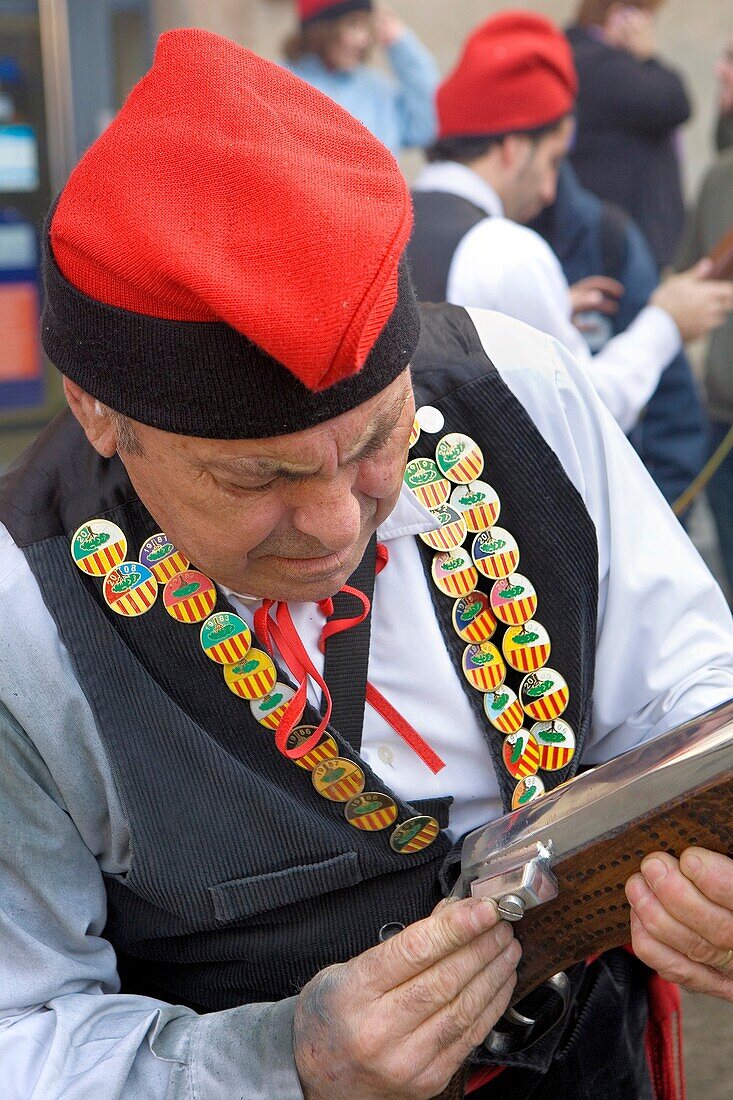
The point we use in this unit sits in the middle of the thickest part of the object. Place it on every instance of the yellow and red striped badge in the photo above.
(269, 710)
(459, 457)
(371, 811)
(527, 790)
(503, 710)
(326, 749)
(130, 589)
(414, 834)
(452, 530)
(513, 600)
(526, 648)
(225, 638)
(98, 546)
(473, 619)
(544, 694)
(425, 480)
(483, 666)
(478, 503)
(338, 779)
(252, 678)
(189, 596)
(414, 433)
(453, 572)
(495, 553)
(556, 742)
(521, 754)
(161, 556)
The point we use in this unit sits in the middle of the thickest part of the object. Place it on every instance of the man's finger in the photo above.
(711, 873)
(696, 940)
(427, 941)
(685, 903)
(676, 967)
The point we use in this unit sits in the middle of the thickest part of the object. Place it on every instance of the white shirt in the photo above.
(664, 654)
(507, 267)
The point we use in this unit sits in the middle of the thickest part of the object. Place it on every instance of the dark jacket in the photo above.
(627, 112)
(590, 237)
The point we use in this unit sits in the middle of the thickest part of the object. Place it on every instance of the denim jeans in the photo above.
(720, 497)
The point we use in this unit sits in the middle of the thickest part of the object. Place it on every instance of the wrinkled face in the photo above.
(351, 42)
(285, 518)
(534, 185)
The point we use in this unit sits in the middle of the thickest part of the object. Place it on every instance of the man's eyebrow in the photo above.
(257, 466)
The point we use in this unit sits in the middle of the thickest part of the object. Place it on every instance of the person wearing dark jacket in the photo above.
(591, 237)
(629, 107)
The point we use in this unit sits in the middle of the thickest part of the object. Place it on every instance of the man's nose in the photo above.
(328, 510)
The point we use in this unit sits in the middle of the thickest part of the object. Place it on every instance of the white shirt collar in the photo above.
(448, 175)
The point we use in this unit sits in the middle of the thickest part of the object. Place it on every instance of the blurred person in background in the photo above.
(710, 219)
(504, 127)
(629, 108)
(724, 72)
(330, 50)
(612, 276)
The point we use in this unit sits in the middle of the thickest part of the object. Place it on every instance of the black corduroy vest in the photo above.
(441, 222)
(243, 881)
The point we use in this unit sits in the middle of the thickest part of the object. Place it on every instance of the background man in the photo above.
(196, 871)
(504, 126)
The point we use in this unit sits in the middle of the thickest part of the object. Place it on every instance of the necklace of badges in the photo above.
(130, 588)
(469, 543)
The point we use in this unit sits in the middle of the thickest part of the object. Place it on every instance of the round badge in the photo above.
(452, 530)
(414, 433)
(483, 666)
(479, 503)
(161, 556)
(526, 647)
(459, 458)
(98, 546)
(338, 780)
(424, 478)
(473, 619)
(544, 694)
(130, 589)
(190, 596)
(521, 754)
(326, 749)
(504, 710)
(252, 678)
(454, 572)
(414, 834)
(513, 600)
(556, 742)
(527, 790)
(430, 419)
(225, 638)
(371, 811)
(495, 553)
(270, 708)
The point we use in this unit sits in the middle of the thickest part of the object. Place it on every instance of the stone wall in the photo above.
(692, 33)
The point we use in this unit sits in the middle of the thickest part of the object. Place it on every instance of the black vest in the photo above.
(442, 220)
(244, 881)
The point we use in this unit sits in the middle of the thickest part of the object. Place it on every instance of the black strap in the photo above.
(347, 654)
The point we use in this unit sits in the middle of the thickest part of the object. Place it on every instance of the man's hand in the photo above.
(596, 292)
(631, 29)
(682, 919)
(396, 1022)
(388, 27)
(695, 303)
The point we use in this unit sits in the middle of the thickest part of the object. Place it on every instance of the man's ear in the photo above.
(95, 418)
(514, 151)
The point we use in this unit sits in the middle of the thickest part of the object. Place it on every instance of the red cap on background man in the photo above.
(318, 11)
(225, 261)
(516, 73)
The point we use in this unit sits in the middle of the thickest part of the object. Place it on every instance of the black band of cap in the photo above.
(203, 378)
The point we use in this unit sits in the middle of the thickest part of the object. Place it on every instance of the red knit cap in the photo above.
(318, 11)
(516, 73)
(229, 191)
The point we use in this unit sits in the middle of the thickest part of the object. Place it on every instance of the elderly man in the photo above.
(205, 832)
